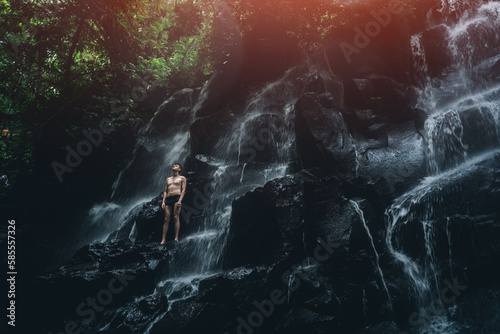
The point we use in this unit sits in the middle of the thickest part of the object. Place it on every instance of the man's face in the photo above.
(176, 168)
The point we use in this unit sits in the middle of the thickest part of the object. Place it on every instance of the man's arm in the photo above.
(164, 194)
(183, 189)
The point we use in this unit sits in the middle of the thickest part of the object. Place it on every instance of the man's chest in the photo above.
(174, 182)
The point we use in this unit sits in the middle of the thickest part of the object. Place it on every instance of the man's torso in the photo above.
(174, 185)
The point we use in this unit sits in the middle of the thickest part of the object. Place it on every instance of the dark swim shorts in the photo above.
(171, 200)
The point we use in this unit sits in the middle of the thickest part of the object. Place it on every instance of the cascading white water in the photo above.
(377, 258)
(461, 131)
(422, 71)
(257, 148)
(266, 125)
(107, 217)
(471, 44)
(421, 206)
(143, 176)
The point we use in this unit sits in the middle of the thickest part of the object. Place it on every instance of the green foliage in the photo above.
(76, 62)
(307, 23)
(304, 22)
(58, 58)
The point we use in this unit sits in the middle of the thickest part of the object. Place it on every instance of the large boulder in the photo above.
(394, 163)
(324, 249)
(451, 231)
(174, 112)
(462, 207)
(133, 317)
(293, 212)
(382, 94)
(266, 222)
(477, 309)
(206, 132)
(445, 151)
(323, 138)
(191, 317)
(98, 278)
(434, 42)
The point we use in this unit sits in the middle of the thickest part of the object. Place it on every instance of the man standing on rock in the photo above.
(175, 187)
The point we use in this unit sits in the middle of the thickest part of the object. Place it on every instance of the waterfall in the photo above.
(422, 72)
(463, 100)
(420, 209)
(470, 44)
(461, 131)
(256, 148)
(157, 148)
(377, 258)
(236, 173)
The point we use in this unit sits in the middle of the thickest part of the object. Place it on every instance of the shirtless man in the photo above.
(175, 187)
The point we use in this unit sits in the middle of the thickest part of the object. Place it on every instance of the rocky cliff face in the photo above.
(385, 221)
(306, 252)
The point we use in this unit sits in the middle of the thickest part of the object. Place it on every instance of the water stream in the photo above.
(377, 257)
(238, 170)
(257, 148)
(144, 174)
(461, 131)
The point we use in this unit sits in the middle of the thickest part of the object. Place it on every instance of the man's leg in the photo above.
(177, 211)
(168, 211)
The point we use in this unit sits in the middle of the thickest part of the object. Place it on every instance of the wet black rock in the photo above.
(302, 320)
(104, 275)
(174, 112)
(383, 327)
(149, 221)
(220, 301)
(395, 163)
(374, 105)
(323, 138)
(134, 317)
(435, 48)
(463, 207)
(328, 268)
(459, 209)
(190, 317)
(450, 151)
(382, 94)
(477, 310)
(382, 145)
(293, 213)
(206, 132)
(144, 223)
(267, 222)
